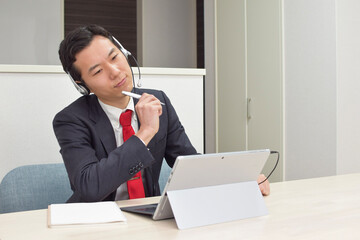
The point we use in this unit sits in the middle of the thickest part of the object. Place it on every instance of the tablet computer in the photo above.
(195, 171)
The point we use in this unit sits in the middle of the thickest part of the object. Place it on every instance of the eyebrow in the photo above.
(96, 65)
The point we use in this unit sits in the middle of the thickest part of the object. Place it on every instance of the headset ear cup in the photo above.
(81, 88)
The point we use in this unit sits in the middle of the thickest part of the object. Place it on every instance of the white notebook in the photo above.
(84, 213)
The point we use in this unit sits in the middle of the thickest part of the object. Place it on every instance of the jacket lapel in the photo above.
(102, 125)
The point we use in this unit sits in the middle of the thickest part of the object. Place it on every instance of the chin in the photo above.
(128, 88)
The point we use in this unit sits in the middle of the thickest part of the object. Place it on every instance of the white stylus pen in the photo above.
(134, 95)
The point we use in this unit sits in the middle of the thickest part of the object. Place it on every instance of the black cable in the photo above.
(277, 161)
(137, 64)
(132, 73)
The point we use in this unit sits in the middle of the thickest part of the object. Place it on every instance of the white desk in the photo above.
(321, 208)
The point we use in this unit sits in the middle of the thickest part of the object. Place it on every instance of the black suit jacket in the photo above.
(96, 167)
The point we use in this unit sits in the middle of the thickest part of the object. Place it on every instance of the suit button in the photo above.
(131, 171)
(138, 168)
(141, 164)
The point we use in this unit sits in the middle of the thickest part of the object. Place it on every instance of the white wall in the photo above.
(310, 88)
(348, 86)
(28, 105)
(30, 31)
(30, 100)
(168, 33)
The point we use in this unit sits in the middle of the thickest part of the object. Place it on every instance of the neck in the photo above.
(119, 103)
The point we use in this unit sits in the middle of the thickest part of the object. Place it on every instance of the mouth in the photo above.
(119, 84)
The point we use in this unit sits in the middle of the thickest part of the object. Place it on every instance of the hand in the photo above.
(148, 110)
(265, 186)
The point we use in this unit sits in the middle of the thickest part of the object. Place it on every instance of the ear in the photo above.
(81, 83)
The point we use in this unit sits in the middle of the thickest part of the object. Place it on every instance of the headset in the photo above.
(81, 87)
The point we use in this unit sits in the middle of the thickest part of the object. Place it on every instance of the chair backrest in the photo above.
(164, 175)
(34, 187)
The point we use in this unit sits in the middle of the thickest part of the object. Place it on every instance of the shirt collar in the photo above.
(113, 113)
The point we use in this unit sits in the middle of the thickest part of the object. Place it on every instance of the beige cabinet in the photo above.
(249, 78)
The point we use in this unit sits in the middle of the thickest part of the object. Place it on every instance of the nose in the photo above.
(114, 71)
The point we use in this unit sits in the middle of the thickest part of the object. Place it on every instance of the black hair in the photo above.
(74, 42)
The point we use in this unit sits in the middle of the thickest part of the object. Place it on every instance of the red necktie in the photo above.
(135, 184)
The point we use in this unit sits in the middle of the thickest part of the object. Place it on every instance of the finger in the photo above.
(149, 98)
(157, 108)
(261, 188)
(153, 107)
(146, 97)
(261, 178)
(155, 104)
(266, 187)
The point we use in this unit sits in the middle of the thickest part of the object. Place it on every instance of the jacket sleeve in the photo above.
(93, 173)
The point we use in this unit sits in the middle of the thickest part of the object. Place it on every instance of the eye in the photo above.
(114, 57)
(97, 72)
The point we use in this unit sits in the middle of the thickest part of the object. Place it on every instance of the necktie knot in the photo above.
(125, 118)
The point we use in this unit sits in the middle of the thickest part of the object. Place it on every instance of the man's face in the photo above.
(105, 70)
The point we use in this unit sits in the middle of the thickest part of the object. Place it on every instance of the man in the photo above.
(102, 160)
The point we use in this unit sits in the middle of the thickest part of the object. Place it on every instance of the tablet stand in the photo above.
(216, 204)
